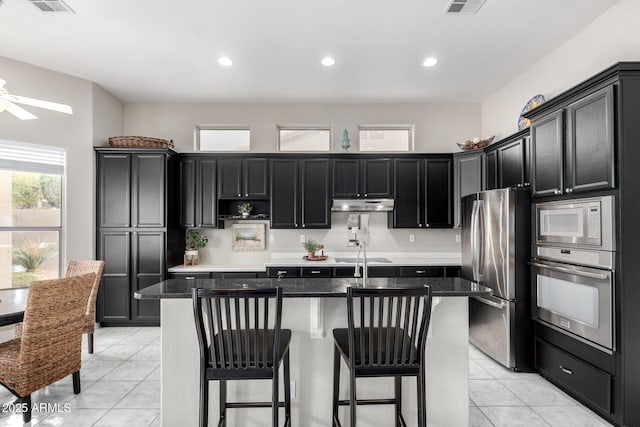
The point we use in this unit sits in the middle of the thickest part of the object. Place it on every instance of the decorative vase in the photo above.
(245, 214)
(311, 254)
(191, 254)
(345, 142)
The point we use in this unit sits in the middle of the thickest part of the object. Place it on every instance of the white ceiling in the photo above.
(167, 51)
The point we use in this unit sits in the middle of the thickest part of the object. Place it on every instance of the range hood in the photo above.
(362, 205)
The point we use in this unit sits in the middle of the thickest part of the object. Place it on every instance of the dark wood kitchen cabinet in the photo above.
(137, 231)
(243, 178)
(300, 193)
(423, 193)
(468, 178)
(362, 178)
(573, 147)
(197, 187)
(506, 162)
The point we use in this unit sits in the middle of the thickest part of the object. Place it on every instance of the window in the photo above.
(385, 137)
(223, 138)
(304, 138)
(31, 200)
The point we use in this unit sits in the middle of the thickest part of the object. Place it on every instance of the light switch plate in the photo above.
(412, 238)
(457, 238)
(302, 238)
(272, 238)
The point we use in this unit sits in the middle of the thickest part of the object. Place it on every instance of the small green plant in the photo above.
(245, 208)
(194, 240)
(31, 254)
(311, 245)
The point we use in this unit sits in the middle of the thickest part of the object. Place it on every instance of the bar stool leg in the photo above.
(223, 403)
(422, 399)
(336, 384)
(287, 390)
(274, 395)
(398, 398)
(204, 401)
(352, 396)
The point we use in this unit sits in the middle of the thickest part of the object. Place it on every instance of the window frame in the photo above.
(327, 128)
(378, 127)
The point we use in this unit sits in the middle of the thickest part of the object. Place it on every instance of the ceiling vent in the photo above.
(463, 7)
(52, 5)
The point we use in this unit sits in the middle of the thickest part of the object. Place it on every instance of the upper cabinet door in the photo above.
(255, 174)
(408, 209)
(468, 179)
(229, 178)
(438, 192)
(114, 190)
(315, 202)
(590, 142)
(491, 165)
(187, 185)
(346, 178)
(206, 202)
(149, 190)
(511, 165)
(377, 178)
(547, 155)
(284, 193)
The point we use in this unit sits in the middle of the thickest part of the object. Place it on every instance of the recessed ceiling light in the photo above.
(328, 61)
(225, 61)
(430, 61)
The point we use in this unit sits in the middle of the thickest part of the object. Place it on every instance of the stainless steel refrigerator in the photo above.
(496, 233)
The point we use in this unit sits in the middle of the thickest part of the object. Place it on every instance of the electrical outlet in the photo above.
(457, 238)
(292, 389)
(302, 238)
(272, 238)
(412, 238)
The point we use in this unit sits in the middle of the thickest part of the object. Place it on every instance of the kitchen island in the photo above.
(311, 309)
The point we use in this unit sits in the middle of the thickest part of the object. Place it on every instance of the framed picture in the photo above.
(247, 237)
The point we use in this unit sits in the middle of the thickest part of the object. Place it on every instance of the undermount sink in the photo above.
(369, 260)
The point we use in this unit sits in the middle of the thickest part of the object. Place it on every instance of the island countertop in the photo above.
(314, 287)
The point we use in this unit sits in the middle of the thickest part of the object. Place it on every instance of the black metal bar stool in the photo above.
(240, 339)
(389, 340)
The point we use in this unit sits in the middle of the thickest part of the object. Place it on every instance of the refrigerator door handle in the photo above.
(499, 305)
(474, 240)
(482, 239)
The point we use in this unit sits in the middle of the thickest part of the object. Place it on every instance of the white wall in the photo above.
(612, 37)
(437, 126)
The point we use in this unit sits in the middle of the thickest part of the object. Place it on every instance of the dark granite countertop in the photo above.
(315, 287)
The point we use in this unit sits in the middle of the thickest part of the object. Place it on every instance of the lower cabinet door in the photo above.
(149, 256)
(574, 375)
(114, 296)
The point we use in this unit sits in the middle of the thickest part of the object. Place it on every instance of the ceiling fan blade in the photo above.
(63, 108)
(17, 111)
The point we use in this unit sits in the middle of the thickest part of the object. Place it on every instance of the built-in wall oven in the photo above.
(573, 269)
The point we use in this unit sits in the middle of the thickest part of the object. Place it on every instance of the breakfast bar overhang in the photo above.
(311, 309)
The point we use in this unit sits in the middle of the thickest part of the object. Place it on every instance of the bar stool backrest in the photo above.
(238, 328)
(388, 327)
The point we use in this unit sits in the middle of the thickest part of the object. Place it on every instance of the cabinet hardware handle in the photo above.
(189, 277)
(358, 194)
(565, 370)
(419, 225)
(420, 271)
(556, 191)
(527, 184)
(282, 272)
(569, 190)
(304, 225)
(315, 271)
(246, 194)
(296, 224)
(520, 185)
(366, 194)
(426, 225)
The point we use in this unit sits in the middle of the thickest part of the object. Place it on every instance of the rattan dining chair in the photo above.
(386, 337)
(240, 339)
(49, 347)
(77, 267)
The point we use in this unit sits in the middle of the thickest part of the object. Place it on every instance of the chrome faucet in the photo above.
(358, 225)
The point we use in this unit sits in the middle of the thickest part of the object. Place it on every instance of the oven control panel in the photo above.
(602, 259)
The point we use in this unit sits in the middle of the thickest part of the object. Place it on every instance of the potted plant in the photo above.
(245, 209)
(311, 246)
(31, 255)
(194, 241)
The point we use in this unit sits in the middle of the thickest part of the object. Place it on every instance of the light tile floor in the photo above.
(121, 387)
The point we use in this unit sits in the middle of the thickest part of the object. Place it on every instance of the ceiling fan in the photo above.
(8, 103)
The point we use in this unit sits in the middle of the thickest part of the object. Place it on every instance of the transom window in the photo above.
(385, 138)
(304, 138)
(223, 138)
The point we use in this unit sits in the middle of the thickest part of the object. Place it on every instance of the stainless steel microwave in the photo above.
(580, 223)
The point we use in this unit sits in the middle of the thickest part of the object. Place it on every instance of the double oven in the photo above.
(573, 269)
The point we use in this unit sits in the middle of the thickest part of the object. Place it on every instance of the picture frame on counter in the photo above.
(248, 237)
